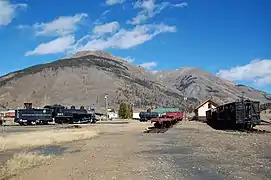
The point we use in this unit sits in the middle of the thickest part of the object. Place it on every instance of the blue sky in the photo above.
(226, 37)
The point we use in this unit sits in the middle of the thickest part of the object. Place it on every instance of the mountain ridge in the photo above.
(85, 77)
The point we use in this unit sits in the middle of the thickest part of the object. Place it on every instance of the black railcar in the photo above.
(145, 116)
(243, 114)
(31, 115)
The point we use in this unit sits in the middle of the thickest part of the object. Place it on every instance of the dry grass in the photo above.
(21, 162)
(33, 139)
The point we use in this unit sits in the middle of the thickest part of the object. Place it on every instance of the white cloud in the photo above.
(123, 39)
(105, 12)
(58, 45)
(149, 9)
(106, 28)
(113, 2)
(8, 11)
(148, 65)
(62, 26)
(258, 71)
(154, 71)
(129, 59)
(183, 4)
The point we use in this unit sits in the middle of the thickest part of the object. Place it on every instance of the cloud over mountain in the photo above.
(257, 71)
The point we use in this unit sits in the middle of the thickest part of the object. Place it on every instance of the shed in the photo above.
(200, 110)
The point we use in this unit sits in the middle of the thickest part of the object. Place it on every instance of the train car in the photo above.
(167, 120)
(61, 114)
(56, 113)
(243, 114)
(146, 116)
(31, 115)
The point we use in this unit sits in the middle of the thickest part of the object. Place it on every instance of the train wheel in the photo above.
(45, 122)
(248, 126)
(157, 125)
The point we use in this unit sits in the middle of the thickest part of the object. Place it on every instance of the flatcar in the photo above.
(244, 114)
(167, 120)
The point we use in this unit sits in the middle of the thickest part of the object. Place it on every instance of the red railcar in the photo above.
(170, 118)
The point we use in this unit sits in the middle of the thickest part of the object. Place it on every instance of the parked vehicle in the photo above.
(244, 114)
(31, 115)
(57, 113)
(167, 120)
(62, 114)
(146, 116)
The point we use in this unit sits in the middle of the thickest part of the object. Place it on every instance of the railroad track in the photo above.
(158, 130)
(256, 131)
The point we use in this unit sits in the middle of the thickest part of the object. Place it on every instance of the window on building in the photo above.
(209, 105)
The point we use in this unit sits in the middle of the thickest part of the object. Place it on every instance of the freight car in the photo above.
(244, 114)
(169, 119)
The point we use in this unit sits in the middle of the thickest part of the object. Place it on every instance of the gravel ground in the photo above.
(190, 150)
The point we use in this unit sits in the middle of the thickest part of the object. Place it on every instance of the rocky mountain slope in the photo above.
(86, 77)
(194, 82)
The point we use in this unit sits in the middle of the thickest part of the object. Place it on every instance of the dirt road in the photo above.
(189, 151)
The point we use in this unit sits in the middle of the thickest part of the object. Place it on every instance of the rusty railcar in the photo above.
(243, 114)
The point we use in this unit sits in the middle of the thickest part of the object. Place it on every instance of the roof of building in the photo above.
(204, 102)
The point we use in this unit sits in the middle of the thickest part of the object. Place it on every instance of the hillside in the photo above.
(194, 82)
(84, 79)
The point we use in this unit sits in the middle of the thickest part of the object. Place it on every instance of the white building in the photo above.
(112, 114)
(136, 116)
(200, 110)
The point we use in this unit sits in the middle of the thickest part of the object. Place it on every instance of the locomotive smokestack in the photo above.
(28, 105)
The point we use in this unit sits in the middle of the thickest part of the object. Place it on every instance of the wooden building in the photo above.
(200, 110)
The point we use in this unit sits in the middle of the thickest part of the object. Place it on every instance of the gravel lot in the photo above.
(190, 150)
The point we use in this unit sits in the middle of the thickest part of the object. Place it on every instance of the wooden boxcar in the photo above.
(239, 114)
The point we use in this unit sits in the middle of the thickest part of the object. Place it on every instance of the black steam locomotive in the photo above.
(244, 114)
(53, 113)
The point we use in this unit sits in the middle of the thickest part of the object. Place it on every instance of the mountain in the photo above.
(85, 78)
(194, 82)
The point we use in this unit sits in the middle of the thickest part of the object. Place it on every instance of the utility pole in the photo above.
(185, 98)
(105, 97)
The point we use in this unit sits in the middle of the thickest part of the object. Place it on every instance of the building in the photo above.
(112, 114)
(136, 116)
(200, 110)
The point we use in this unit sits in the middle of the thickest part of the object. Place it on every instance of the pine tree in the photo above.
(122, 110)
